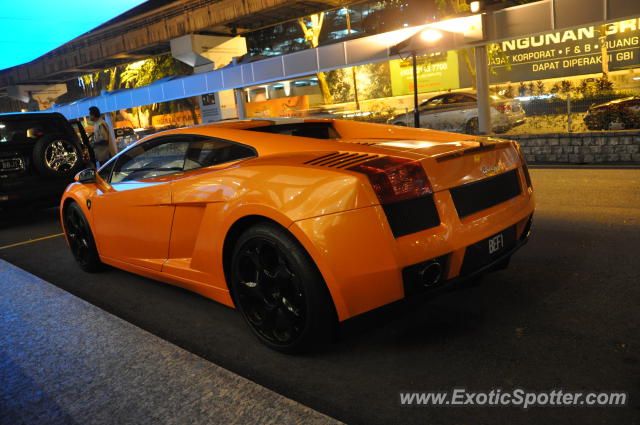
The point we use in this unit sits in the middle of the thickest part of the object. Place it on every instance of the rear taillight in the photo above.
(503, 107)
(395, 179)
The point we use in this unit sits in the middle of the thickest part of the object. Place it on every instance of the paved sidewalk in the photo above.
(65, 361)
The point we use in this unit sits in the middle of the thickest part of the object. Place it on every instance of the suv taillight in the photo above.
(395, 179)
(503, 107)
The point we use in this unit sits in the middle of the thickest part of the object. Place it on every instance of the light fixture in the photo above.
(430, 35)
(474, 6)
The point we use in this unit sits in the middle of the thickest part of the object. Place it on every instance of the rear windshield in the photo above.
(316, 130)
(14, 129)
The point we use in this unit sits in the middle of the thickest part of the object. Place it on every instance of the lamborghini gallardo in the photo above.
(301, 224)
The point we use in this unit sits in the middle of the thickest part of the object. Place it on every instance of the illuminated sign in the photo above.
(433, 75)
(569, 52)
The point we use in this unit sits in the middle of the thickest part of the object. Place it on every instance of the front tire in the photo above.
(279, 290)
(80, 238)
(472, 126)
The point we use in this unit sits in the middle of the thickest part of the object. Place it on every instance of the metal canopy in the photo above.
(505, 24)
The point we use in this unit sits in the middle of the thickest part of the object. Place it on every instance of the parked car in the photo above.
(125, 136)
(459, 112)
(300, 224)
(40, 152)
(141, 133)
(617, 114)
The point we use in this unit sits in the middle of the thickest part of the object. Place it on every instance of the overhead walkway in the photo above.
(505, 24)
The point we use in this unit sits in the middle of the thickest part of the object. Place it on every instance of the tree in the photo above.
(340, 82)
(145, 72)
(311, 31)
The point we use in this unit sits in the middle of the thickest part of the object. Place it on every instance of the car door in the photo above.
(453, 111)
(132, 217)
(191, 197)
(430, 112)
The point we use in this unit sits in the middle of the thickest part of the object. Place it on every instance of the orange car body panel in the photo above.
(173, 228)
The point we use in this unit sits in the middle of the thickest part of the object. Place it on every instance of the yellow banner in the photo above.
(295, 106)
(177, 119)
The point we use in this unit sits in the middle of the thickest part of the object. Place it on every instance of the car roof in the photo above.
(32, 114)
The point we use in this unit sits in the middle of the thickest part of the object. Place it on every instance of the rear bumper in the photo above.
(413, 285)
(364, 265)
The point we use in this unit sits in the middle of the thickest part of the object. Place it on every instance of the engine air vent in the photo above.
(340, 159)
(363, 143)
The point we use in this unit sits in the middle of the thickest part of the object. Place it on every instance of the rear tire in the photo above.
(279, 290)
(80, 238)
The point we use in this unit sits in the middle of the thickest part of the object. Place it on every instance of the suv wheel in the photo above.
(55, 156)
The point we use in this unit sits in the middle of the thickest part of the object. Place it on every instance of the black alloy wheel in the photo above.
(80, 239)
(279, 290)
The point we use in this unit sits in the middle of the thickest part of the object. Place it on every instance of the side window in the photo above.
(152, 159)
(105, 171)
(205, 152)
(468, 99)
(454, 98)
(432, 103)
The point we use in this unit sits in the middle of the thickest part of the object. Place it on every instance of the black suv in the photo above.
(40, 152)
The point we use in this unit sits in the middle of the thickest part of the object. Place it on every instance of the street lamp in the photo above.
(430, 35)
(475, 6)
(429, 40)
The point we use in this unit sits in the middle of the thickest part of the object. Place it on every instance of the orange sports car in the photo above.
(302, 223)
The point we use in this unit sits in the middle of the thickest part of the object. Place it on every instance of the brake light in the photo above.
(395, 179)
(503, 107)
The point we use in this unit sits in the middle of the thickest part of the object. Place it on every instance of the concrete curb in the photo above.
(63, 360)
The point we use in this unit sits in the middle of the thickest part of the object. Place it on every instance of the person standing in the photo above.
(103, 144)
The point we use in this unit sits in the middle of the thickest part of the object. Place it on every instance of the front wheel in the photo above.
(55, 156)
(472, 126)
(80, 238)
(279, 290)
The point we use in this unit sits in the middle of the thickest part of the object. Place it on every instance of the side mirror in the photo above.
(86, 176)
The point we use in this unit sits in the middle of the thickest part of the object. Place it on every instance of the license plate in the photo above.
(11, 164)
(487, 250)
(496, 243)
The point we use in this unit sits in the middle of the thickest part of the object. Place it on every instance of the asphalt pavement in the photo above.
(564, 315)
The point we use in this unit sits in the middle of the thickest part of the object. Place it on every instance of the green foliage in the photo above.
(522, 89)
(565, 86)
(340, 84)
(374, 80)
(508, 92)
(145, 72)
(603, 85)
